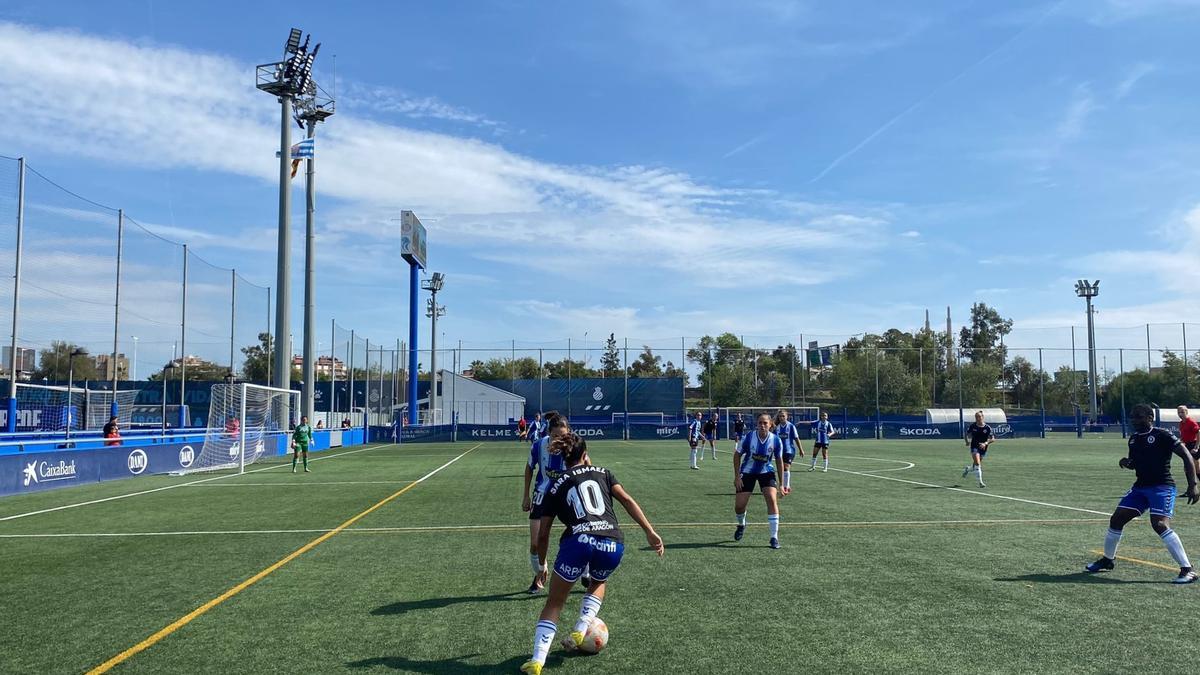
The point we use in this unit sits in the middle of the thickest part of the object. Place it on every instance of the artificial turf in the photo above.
(882, 568)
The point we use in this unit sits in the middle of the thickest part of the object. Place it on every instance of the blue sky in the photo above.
(653, 169)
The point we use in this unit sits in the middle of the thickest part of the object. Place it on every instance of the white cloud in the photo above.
(110, 101)
(1132, 76)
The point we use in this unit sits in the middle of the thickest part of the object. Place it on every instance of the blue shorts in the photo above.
(789, 456)
(1159, 500)
(581, 550)
(710, 437)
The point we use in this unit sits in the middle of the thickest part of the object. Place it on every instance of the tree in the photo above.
(257, 359)
(524, 368)
(980, 341)
(646, 365)
(1024, 382)
(979, 382)
(55, 363)
(568, 368)
(610, 361)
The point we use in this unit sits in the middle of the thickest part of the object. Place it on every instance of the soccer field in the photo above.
(890, 562)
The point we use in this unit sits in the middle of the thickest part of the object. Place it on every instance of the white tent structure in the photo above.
(951, 415)
(477, 403)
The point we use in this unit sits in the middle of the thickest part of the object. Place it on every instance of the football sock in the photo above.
(1176, 548)
(294, 457)
(693, 458)
(773, 524)
(543, 638)
(826, 462)
(306, 460)
(741, 518)
(534, 563)
(587, 612)
(979, 472)
(814, 460)
(1112, 539)
(787, 479)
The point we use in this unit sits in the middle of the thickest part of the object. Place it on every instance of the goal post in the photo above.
(801, 416)
(245, 422)
(42, 407)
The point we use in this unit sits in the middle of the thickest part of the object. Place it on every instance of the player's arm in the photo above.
(635, 512)
(796, 439)
(778, 452)
(1189, 470)
(737, 466)
(525, 505)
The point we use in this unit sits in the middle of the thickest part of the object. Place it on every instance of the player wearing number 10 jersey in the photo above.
(582, 498)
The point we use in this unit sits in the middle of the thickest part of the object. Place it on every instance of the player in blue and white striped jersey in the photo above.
(758, 460)
(822, 431)
(786, 431)
(695, 434)
(549, 467)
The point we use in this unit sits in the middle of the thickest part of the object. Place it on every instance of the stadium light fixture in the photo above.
(433, 284)
(1088, 290)
(293, 41)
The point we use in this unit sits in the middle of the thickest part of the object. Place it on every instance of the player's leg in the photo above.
(740, 500)
(712, 443)
(693, 448)
(812, 466)
(536, 562)
(771, 495)
(1131, 506)
(295, 456)
(547, 625)
(978, 456)
(304, 454)
(602, 564)
(787, 472)
(824, 456)
(1162, 508)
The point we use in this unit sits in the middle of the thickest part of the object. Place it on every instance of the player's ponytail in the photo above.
(572, 447)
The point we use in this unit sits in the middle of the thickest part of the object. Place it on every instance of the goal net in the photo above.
(245, 422)
(657, 418)
(802, 416)
(52, 408)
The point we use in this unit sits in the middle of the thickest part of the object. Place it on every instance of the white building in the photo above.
(475, 402)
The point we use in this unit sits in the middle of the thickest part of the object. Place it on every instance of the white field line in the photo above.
(906, 467)
(523, 527)
(179, 485)
(304, 483)
(958, 489)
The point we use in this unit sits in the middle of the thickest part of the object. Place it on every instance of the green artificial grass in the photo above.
(882, 568)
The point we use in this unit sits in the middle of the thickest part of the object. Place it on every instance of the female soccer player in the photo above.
(694, 436)
(979, 436)
(786, 431)
(1150, 451)
(822, 432)
(549, 467)
(739, 429)
(710, 435)
(758, 460)
(302, 437)
(582, 498)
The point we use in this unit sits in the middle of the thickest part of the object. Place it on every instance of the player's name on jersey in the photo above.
(592, 525)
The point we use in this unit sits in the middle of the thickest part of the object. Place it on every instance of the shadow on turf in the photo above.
(703, 544)
(1076, 578)
(437, 603)
(453, 665)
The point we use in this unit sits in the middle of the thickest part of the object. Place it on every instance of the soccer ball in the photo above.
(595, 638)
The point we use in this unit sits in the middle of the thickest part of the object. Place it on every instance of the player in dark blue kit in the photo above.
(739, 429)
(582, 499)
(978, 437)
(758, 460)
(1150, 451)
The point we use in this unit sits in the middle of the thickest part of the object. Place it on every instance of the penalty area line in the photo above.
(179, 485)
(1147, 563)
(202, 609)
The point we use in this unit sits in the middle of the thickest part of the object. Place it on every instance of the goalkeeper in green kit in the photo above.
(302, 437)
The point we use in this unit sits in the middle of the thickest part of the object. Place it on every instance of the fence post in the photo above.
(626, 416)
(541, 406)
(183, 346)
(962, 423)
(1187, 373)
(1149, 368)
(1042, 390)
(12, 379)
(878, 414)
(333, 374)
(232, 316)
(803, 372)
(1121, 357)
(270, 354)
(116, 312)
(367, 392)
(350, 387)
(1074, 373)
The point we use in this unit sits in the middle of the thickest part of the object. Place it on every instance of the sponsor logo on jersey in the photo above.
(919, 431)
(186, 456)
(45, 472)
(137, 462)
(605, 545)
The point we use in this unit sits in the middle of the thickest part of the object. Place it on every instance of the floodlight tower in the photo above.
(433, 310)
(312, 107)
(413, 250)
(1087, 291)
(285, 80)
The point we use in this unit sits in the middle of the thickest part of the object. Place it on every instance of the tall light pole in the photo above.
(1087, 291)
(133, 375)
(286, 80)
(433, 311)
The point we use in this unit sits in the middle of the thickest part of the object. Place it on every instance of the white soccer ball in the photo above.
(596, 637)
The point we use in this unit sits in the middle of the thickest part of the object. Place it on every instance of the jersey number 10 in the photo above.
(592, 500)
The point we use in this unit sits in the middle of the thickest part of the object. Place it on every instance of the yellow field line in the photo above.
(190, 616)
(1147, 563)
